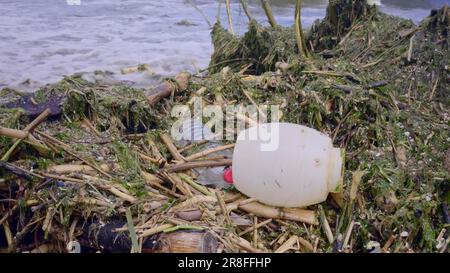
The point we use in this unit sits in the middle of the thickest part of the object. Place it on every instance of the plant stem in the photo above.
(268, 12)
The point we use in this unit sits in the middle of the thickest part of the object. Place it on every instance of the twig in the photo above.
(250, 229)
(433, 90)
(326, 226)
(155, 230)
(306, 244)
(325, 73)
(65, 148)
(348, 234)
(134, 239)
(223, 208)
(389, 242)
(28, 129)
(19, 170)
(287, 245)
(244, 244)
(172, 149)
(210, 151)
(254, 104)
(7, 214)
(199, 164)
(294, 214)
(192, 145)
(196, 186)
(410, 50)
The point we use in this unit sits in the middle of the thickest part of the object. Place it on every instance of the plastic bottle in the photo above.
(286, 165)
(193, 131)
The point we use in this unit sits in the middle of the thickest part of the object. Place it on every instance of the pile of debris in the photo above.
(87, 167)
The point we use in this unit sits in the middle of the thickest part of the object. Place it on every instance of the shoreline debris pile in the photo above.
(88, 167)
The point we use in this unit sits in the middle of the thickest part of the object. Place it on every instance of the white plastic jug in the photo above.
(286, 165)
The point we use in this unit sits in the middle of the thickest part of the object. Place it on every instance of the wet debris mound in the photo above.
(87, 167)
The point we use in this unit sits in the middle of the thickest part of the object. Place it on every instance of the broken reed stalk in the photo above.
(155, 230)
(288, 245)
(299, 31)
(260, 210)
(268, 10)
(171, 147)
(148, 158)
(325, 225)
(230, 20)
(246, 245)
(261, 113)
(223, 208)
(199, 164)
(250, 229)
(132, 230)
(75, 168)
(66, 148)
(196, 186)
(186, 242)
(28, 129)
(169, 87)
(208, 152)
(192, 145)
(245, 8)
(13, 133)
(7, 214)
(38, 120)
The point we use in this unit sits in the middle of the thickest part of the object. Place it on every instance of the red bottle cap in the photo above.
(228, 176)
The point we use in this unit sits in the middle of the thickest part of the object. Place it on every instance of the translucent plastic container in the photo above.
(193, 131)
(286, 165)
